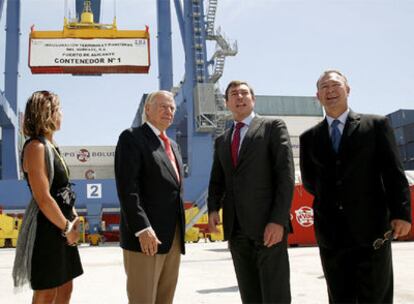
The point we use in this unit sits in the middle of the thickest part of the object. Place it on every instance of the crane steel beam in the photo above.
(8, 117)
(1, 7)
(198, 145)
(10, 164)
(180, 19)
(165, 61)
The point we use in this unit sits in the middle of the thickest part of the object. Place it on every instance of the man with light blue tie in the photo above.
(350, 163)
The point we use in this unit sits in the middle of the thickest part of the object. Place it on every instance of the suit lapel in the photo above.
(159, 152)
(248, 138)
(324, 143)
(352, 123)
(178, 159)
(227, 147)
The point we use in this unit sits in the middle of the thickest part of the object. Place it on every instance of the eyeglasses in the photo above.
(378, 243)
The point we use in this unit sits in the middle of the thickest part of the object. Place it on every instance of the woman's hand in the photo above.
(72, 236)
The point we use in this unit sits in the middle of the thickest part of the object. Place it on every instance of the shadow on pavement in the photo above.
(218, 250)
(224, 289)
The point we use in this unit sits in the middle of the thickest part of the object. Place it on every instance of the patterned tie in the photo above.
(335, 135)
(170, 154)
(235, 144)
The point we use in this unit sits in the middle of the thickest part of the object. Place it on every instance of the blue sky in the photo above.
(284, 45)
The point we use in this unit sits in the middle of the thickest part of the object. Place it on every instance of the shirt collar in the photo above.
(342, 118)
(153, 128)
(248, 120)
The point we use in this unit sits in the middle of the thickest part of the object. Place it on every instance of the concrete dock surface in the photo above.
(206, 275)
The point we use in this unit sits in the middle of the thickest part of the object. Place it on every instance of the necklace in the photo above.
(61, 159)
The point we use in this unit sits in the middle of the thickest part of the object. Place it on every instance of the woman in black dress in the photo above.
(53, 262)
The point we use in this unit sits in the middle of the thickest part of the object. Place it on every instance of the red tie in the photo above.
(170, 154)
(235, 144)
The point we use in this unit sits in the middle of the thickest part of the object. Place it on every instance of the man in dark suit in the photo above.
(350, 163)
(252, 179)
(148, 172)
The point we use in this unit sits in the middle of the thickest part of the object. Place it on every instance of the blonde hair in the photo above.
(40, 114)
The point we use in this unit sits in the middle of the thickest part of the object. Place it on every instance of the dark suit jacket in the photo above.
(259, 190)
(360, 189)
(148, 190)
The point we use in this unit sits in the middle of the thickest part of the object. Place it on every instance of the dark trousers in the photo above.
(262, 273)
(358, 275)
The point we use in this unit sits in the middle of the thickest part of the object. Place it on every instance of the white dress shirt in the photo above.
(342, 120)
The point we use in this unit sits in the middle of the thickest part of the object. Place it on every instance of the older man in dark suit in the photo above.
(350, 163)
(148, 172)
(252, 179)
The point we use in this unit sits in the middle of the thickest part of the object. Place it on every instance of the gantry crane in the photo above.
(200, 110)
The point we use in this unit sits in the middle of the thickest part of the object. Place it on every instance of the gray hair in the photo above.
(150, 100)
(327, 72)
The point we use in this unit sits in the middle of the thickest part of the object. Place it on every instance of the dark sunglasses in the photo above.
(388, 236)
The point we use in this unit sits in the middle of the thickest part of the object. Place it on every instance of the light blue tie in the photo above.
(335, 135)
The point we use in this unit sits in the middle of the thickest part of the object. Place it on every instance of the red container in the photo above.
(111, 232)
(301, 215)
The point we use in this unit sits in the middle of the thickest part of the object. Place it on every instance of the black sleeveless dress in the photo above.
(54, 262)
